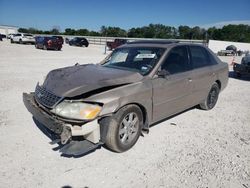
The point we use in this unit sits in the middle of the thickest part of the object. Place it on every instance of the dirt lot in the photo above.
(194, 149)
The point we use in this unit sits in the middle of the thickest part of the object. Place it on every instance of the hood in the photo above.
(77, 80)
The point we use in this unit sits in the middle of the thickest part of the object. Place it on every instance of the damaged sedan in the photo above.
(116, 101)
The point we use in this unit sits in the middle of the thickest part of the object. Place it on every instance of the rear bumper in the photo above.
(54, 47)
(25, 40)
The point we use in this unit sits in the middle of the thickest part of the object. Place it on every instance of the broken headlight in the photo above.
(77, 110)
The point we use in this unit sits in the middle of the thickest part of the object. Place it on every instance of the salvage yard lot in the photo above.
(194, 149)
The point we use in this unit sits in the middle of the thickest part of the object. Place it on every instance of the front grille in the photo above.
(46, 98)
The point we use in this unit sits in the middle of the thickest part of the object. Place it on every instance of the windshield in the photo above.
(140, 60)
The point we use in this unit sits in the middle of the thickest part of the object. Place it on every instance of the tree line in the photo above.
(236, 33)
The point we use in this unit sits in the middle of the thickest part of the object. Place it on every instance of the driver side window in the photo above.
(176, 61)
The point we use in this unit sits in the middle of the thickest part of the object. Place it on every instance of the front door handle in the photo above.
(190, 79)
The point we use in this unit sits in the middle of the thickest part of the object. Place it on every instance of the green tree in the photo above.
(83, 32)
(113, 32)
(69, 31)
(185, 32)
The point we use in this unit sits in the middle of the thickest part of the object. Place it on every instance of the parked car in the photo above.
(23, 38)
(67, 40)
(3, 36)
(244, 67)
(10, 36)
(137, 85)
(48, 43)
(59, 38)
(116, 43)
(226, 53)
(79, 41)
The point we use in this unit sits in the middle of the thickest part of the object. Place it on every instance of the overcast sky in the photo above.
(46, 14)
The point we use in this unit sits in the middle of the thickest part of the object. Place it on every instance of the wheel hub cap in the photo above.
(128, 128)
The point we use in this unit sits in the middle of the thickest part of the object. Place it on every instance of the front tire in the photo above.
(212, 98)
(124, 128)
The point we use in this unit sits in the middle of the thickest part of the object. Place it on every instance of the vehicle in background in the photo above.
(230, 50)
(67, 40)
(243, 68)
(225, 53)
(59, 38)
(48, 43)
(23, 38)
(116, 43)
(79, 41)
(135, 86)
(3, 36)
(10, 36)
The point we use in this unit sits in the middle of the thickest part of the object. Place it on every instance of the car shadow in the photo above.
(52, 136)
(231, 74)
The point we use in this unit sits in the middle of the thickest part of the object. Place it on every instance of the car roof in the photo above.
(158, 43)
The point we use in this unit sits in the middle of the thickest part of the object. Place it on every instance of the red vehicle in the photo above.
(60, 38)
(47, 43)
(116, 43)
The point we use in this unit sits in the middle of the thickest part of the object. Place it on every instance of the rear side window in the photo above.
(199, 57)
(177, 60)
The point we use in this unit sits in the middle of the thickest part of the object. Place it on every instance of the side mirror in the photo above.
(162, 73)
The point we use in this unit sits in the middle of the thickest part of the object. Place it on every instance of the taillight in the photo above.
(49, 42)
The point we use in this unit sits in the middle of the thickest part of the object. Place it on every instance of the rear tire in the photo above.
(212, 98)
(124, 128)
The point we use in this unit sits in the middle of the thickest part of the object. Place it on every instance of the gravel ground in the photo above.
(194, 149)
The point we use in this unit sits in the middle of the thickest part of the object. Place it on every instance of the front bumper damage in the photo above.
(73, 139)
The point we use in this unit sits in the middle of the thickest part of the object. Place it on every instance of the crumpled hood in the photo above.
(77, 80)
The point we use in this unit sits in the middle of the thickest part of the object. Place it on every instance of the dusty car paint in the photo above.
(158, 97)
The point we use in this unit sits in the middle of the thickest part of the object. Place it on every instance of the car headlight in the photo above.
(77, 110)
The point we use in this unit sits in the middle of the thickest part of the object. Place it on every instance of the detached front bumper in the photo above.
(90, 132)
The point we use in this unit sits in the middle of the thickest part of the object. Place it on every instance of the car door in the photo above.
(16, 37)
(203, 75)
(171, 94)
